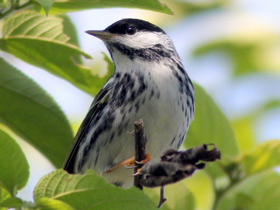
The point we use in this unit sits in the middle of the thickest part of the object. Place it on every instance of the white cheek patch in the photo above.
(142, 39)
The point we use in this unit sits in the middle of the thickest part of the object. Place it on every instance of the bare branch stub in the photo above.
(140, 150)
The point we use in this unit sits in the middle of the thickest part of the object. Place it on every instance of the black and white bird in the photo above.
(149, 83)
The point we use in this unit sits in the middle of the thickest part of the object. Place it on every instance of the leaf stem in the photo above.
(15, 6)
(220, 193)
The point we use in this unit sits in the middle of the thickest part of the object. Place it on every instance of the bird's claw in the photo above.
(148, 157)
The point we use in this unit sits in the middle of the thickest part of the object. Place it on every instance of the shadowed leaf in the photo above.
(14, 169)
(46, 4)
(32, 114)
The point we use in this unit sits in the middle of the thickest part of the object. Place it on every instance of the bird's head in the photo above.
(136, 38)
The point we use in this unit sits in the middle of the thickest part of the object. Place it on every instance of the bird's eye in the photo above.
(131, 30)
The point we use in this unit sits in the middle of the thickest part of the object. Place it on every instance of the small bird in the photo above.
(150, 83)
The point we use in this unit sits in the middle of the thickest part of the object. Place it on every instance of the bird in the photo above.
(149, 83)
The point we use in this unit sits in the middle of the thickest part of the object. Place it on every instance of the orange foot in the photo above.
(129, 162)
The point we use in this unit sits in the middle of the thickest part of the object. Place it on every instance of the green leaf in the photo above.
(257, 192)
(40, 41)
(201, 187)
(254, 52)
(210, 125)
(261, 158)
(46, 4)
(11, 203)
(89, 191)
(244, 132)
(32, 114)
(4, 194)
(52, 204)
(70, 31)
(14, 169)
(74, 5)
(178, 196)
(4, 4)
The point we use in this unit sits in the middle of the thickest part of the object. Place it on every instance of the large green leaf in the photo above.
(40, 41)
(14, 169)
(32, 114)
(261, 158)
(89, 191)
(74, 5)
(257, 192)
(210, 125)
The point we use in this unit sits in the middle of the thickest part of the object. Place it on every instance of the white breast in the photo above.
(164, 120)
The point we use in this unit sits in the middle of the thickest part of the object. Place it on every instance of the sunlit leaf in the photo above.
(4, 194)
(89, 191)
(202, 189)
(210, 125)
(74, 5)
(52, 204)
(244, 126)
(244, 133)
(14, 169)
(261, 158)
(32, 114)
(178, 197)
(257, 192)
(40, 41)
(7, 201)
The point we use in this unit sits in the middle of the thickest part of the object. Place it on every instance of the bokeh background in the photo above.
(231, 48)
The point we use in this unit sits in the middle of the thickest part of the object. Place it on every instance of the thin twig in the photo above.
(140, 147)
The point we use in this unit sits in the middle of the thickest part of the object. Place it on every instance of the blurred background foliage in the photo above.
(231, 50)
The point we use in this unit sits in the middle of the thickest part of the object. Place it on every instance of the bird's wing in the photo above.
(100, 99)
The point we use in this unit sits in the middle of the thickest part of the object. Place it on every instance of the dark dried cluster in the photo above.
(173, 166)
(177, 165)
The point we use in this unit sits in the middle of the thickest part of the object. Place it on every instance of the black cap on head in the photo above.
(122, 26)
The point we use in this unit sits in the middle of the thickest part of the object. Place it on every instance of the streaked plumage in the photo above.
(149, 82)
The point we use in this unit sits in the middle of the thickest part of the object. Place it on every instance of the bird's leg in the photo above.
(162, 198)
(129, 162)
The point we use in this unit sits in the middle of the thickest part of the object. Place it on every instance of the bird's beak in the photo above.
(103, 35)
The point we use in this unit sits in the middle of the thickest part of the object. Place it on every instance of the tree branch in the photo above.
(140, 147)
(173, 166)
